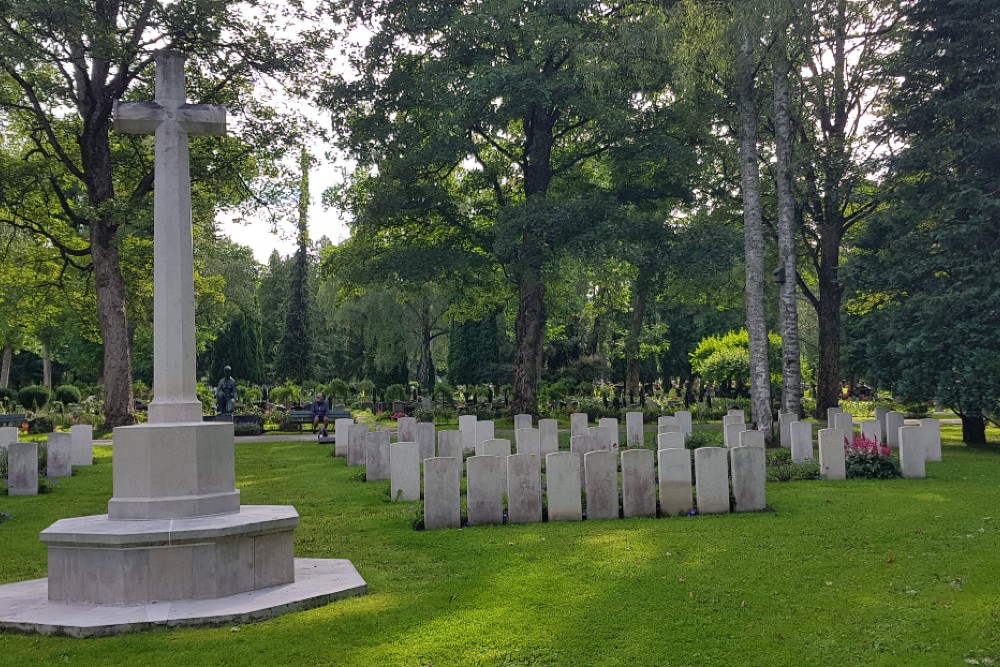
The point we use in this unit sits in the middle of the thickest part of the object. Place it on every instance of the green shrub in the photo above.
(704, 437)
(247, 429)
(915, 410)
(34, 397)
(444, 392)
(338, 389)
(67, 393)
(40, 425)
(7, 398)
(396, 392)
(781, 467)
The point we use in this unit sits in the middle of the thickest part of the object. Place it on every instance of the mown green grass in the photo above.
(901, 572)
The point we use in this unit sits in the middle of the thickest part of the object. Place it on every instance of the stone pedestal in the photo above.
(173, 470)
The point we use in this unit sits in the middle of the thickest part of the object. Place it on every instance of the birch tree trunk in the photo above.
(788, 316)
(8, 353)
(753, 238)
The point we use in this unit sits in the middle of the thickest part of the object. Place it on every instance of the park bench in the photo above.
(300, 417)
(12, 420)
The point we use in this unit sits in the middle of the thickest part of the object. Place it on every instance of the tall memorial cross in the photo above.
(171, 120)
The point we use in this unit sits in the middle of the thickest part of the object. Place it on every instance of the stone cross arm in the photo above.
(146, 117)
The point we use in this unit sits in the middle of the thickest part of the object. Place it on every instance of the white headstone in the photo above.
(633, 429)
(670, 440)
(751, 439)
(684, 418)
(749, 477)
(406, 429)
(578, 423)
(830, 413)
(638, 485)
(548, 435)
(601, 482)
(711, 480)
(932, 435)
(487, 480)
(59, 454)
(82, 436)
(424, 432)
(611, 424)
(524, 489)
(731, 434)
(870, 430)
(604, 436)
(442, 479)
(342, 436)
(467, 426)
(8, 434)
(450, 444)
(881, 412)
(893, 422)
(831, 454)
(668, 420)
(674, 467)
(739, 414)
(485, 430)
(404, 471)
(22, 469)
(522, 421)
(528, 441)
(785, 420)
(581, 445)
(802, 441)
(377, 456)
(495, 447)
(356, 442)
(844, 421)
(562, 487)
(912, 451)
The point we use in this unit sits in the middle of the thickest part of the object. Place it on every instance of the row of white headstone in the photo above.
(63, 451)
(592, 464)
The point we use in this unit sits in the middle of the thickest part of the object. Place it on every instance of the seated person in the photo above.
(320, 408)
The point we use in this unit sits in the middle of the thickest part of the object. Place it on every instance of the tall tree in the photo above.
(928, 274)
(295, 354)
(83, 56)
(502, 103)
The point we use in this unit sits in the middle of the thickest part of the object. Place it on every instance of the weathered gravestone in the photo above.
(528, 441)
(424, 432)
(870, 430)
(893, 422)
(912, 451)
(932, 435)
(341, 435)
(487, 479)
(442, 478)
(357, 440)
(82, 437)
(611, 424)
(831, 454)
(404, 471)
(785, 420)
(548, 436)
(633, 429)
(22, 469)
(638, 485)
(601, 483)
(562, 487)
(802, 441)
(751, 439)
(711, 480)
(731, 433)
(684, 419)
(578, 423)
(524, 489)
(830, 417)
(581, 445)
(450, 444)
(59, 455)
(467, 427)
(8, 434)
(749, 477)
(406, 429)
(495, 447)
(674, 467)
(670, 440)
(604, 436)
(844, 422)
(377, 456)
(485, 430)
(522, 421)
(881, 412)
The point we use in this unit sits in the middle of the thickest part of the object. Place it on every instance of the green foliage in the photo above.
(248, 429)
(7, 398)
(206, 395)
(704, 437)
(726, 358)
(34, 397)
(365, 389)
(917, 410)
(444, 392)
(395, 392)
(67, 393)
(338, 389)
(473, 352)
(781, 467)
(869, 459)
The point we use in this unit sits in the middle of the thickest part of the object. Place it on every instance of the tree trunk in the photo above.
(973, 430)
(828, 315)
(529, 329)
(753, 237)
(110, 292)
(632, 379)
(788, 316)
(8, 353)
(425, 367)
(46, 367)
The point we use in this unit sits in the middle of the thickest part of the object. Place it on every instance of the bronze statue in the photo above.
(225, 393)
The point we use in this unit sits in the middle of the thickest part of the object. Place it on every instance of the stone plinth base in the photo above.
(25, 608)
(173, 470)
(96, 560)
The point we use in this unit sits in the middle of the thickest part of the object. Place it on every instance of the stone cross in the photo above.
(171, 120)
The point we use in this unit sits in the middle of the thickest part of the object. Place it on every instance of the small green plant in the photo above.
(704, 437)
(67, 393)
(416, 518)
(781, 467)
(40, 425)
(248, 429)
(915, 410)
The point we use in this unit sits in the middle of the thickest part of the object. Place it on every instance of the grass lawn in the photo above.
(903, 572)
